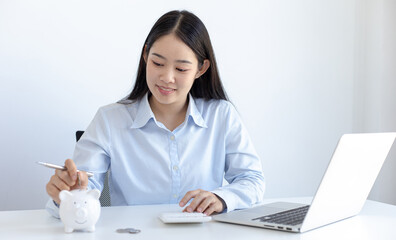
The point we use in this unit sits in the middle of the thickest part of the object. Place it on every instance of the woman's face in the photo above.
(172, 68)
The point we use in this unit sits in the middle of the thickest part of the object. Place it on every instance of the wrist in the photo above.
(56, 204)
(224, 205)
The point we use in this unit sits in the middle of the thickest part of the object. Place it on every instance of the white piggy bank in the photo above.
(79, 209)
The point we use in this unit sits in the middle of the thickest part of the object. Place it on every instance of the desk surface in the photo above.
(376, 221)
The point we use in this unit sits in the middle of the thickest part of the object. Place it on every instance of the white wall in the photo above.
(378, 73)
(298, 72)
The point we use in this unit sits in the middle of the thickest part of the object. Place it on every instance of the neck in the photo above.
(171, 115)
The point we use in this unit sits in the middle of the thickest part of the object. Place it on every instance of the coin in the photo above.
(128, 230)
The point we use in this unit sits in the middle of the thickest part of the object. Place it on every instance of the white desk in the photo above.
(376, 221)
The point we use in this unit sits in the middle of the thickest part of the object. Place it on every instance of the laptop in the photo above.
(344, 188)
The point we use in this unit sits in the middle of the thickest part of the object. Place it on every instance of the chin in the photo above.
(164, 99)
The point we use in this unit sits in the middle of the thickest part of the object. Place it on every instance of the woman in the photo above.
(175, 137)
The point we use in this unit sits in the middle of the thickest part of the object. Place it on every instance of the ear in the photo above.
(94, 193)
(205, 66)
(64, 194)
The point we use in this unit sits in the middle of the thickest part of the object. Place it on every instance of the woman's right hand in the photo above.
(66, 180)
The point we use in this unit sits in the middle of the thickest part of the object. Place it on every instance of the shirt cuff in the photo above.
(222, 202)
(52, 208)
(229, 202)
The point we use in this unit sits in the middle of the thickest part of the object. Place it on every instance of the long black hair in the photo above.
(191, 30)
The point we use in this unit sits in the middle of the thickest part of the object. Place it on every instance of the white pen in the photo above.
(50, 165)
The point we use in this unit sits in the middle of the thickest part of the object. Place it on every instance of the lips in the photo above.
(165, 90)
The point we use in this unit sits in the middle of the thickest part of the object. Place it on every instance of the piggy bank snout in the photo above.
(81, 212)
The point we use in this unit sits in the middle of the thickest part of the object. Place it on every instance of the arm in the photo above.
(243, 172)
(90, 154)
(92, 151)
(243, 169)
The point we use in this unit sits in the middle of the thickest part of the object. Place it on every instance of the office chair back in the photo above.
(104, 199)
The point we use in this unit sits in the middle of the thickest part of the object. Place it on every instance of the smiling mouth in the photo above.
(165, 90)
(80, 222)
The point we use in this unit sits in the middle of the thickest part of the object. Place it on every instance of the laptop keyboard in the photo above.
(290, 217)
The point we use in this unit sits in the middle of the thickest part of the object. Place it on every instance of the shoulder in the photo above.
(112, 108)
(122, 105)
(117, 111)
(214, 106)
(216, 110)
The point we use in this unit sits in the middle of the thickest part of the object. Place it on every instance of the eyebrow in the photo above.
(179, 61)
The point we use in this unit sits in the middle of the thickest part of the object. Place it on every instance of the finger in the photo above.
(215, 206)
(212, 208)
(65, 177)
(60, 184)
(71, 169)
(187, 197)
(54, 186)
(53, 191)
(196, 202)
(206, 203)
(83, 180)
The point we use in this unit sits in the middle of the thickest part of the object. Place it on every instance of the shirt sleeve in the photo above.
(243, 169)
(92, 151)
(52, 209)
(91, 154)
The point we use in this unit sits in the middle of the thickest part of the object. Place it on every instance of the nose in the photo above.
(81, 213)
(167, 76)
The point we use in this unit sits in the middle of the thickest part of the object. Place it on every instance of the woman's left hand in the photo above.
(204, 202)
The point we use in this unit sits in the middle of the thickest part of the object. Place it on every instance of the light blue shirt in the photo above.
(151, 165)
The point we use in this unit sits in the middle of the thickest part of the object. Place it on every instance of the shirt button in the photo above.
(175, 168)
(172, 137)
(175, 196)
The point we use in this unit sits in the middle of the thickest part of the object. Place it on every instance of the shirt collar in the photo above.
(144, 113)
(194, 113)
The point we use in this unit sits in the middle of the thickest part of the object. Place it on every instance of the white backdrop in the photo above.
(301, 73)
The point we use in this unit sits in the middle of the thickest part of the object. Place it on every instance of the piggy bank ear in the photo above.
(64, 194)
(94, 193)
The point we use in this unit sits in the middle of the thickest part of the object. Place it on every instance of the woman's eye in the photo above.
(181, 70)
(157, 64)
